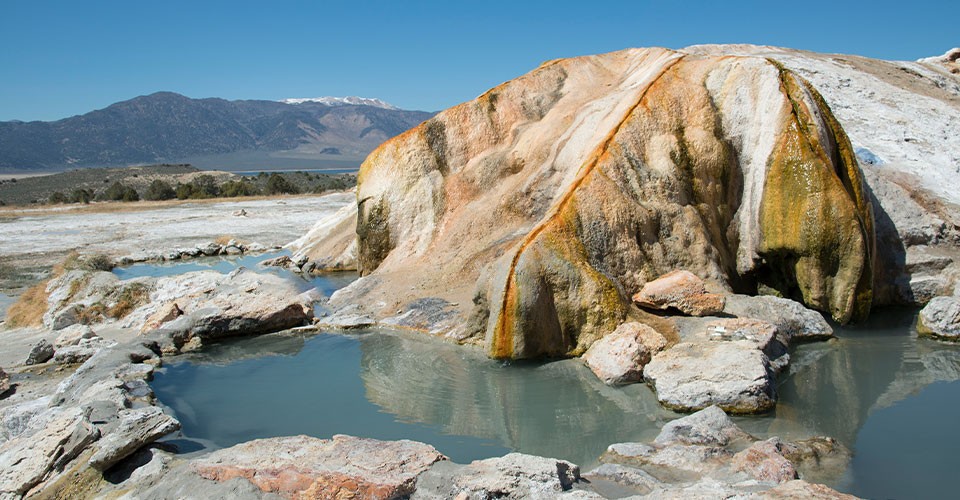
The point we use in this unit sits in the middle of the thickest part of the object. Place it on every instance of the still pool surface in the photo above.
(326, 284)
(890, 397)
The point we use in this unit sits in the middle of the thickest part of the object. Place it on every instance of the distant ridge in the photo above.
(169, 127)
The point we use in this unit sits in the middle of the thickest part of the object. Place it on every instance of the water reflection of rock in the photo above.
(557, 409)
(835, 386)
(238, 349)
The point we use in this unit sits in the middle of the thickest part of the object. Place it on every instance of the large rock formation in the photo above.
(903, 120)
(538, 209)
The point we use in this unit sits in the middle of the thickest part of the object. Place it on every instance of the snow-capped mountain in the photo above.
(342, 101)
(172, 128)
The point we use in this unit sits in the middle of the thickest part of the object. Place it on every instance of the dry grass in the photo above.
(130, 298)
(223, 240)
(30, 307)
(91, 314)
(28, 310)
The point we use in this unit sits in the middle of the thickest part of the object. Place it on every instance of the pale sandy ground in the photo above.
(32, 240)
(267, 221)
(7, 177)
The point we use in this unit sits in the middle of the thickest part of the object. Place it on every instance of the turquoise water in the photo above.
(326, 284)
(394, 386)
(892, 398)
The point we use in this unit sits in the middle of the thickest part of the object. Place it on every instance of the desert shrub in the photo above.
(242, 187)
(118, 192)
(159, 190)
(58, 198)
(29, 308)
(205, 186)
(278, 184)
(184, 191)
(201, 187)
(81, 196)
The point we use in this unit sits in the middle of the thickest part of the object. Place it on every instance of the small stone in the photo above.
(72, 335)
(681, 290)
(619, 357)
(41, 352)
(66, 317)
(709, 426)
(940, 318)
(638, 480)
(281, 261)
(764, 461)
(210, 249)
(515, 475)
(167, 312)
(76, 354)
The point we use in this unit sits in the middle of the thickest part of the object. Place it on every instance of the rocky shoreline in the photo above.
(93, 435)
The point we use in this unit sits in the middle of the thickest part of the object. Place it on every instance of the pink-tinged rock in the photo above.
(167, 312)
(619, 358)
(764, 461)
(802, 490)
(681, 290)
(307, 467)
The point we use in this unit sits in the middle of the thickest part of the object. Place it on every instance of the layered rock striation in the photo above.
(537, 210)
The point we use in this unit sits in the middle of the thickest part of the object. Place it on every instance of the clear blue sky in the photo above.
(61, 58)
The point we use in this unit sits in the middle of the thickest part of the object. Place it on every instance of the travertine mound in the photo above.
(539, 208)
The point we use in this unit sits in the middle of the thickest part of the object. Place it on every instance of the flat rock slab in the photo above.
(515, 475)
(681, 290)
(136, 428)
(307, 467)
(735, 376)
(940, 318)
(213, 305)
(38, 452)
(790, 317)
(619, 358)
